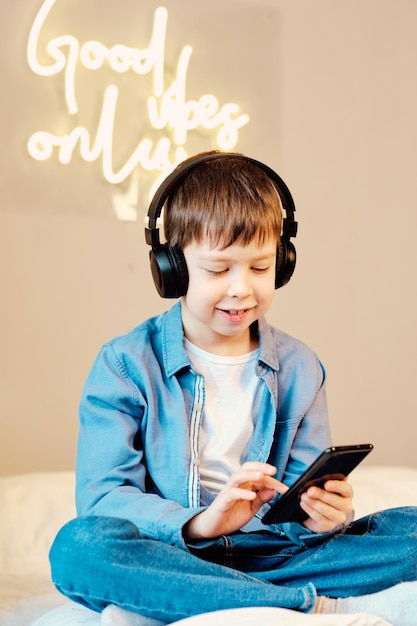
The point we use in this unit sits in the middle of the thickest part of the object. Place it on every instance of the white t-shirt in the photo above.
(233, 394)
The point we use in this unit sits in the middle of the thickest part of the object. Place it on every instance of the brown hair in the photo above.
(229, 200)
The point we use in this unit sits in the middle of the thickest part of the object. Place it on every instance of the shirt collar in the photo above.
(175, 358)
(267, 345)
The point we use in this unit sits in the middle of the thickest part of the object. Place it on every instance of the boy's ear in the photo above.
(169, 271)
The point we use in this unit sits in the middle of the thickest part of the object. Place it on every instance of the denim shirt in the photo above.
(140, 416)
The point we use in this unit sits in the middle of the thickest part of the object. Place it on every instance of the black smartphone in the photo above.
(333, 463)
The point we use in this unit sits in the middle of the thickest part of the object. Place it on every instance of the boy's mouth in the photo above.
(234, 315)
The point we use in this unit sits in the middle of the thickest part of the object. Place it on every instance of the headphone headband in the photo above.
(168, 265)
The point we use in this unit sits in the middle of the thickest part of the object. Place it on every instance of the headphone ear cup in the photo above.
(285, 263)
(169, 271)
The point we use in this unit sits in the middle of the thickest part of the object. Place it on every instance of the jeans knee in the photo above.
(400, 522)
(85, 537)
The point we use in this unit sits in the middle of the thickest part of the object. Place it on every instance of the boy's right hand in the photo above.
(240, 499)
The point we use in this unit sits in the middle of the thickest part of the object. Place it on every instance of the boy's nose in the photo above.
(240, 285)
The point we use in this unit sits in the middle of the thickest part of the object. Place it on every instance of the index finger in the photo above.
(252, 476)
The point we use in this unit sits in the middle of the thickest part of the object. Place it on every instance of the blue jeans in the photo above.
(98, 561)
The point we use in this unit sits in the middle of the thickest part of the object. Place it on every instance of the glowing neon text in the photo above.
(167, 108)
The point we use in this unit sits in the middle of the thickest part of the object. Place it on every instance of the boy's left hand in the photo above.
(329, 507)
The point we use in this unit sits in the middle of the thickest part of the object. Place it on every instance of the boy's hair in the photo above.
(227, 200)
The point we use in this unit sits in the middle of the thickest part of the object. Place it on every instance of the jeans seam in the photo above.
(229, 552)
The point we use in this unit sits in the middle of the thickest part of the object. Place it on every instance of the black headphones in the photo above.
(168, 266)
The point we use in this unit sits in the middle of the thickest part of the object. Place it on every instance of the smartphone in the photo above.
(333, 463)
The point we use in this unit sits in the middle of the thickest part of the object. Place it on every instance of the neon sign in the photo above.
(167, 107)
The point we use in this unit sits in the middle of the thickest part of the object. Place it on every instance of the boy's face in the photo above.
(228, 290)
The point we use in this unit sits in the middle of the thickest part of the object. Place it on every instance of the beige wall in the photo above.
(331, 90)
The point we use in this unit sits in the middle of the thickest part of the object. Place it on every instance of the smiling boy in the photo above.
(228, 291)
(194, 421)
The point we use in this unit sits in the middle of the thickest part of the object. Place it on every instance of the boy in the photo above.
(192, 422)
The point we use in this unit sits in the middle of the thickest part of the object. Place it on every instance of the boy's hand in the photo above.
(243, 495)
(328, 508)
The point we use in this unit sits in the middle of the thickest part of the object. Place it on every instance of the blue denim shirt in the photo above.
(140, 417)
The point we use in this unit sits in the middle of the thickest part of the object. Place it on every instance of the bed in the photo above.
(34, 506)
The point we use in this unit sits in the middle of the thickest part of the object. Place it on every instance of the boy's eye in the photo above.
(257, 270)
(217, 272)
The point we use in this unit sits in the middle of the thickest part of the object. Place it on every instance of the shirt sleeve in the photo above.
(313, 433)
(111, 462)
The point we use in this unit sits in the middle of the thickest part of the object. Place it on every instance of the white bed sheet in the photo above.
(34, 506)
